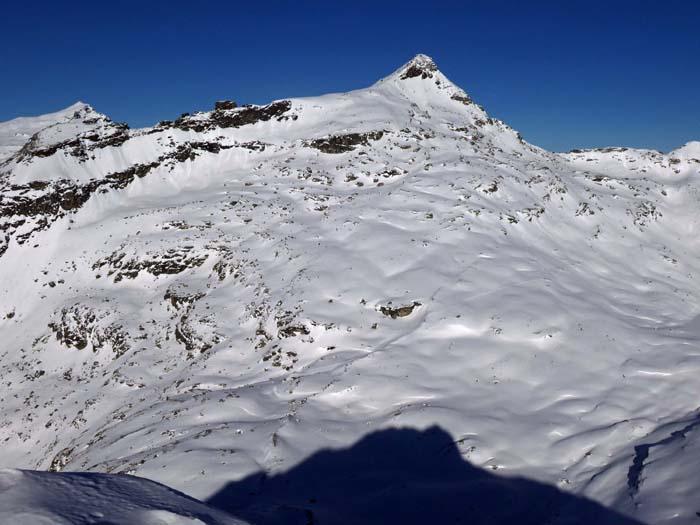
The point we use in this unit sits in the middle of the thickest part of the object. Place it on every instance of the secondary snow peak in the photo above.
(78, 106)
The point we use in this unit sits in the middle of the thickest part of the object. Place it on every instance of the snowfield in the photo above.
(215, 300)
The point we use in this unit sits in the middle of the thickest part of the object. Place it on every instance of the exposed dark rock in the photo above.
(183, 152)
(193, 341)
(344, 143)
(121, 179)
(401, 311)
(424, 69)
(225, 104)
(392, 172)
(74, 326)
(254, 145)
(211, 147)
(30, 150)
(79, 146)
(169, 262)
(463, 98)
(119, 137)
(78, 326)
(293, 331)
(60, 460)
(63, 195)
(491, 188)
(181, 299)
(113, 335)
(235, 118)
(251, 115)
(46, 201)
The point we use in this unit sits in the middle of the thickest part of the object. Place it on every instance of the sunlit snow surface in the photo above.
(222, 314)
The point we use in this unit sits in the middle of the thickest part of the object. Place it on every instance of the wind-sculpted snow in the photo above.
(230, 292)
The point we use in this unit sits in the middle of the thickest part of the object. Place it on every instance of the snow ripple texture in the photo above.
(233, 291)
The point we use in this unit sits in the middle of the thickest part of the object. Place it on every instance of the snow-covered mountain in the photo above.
(226, 294)
(42, 498)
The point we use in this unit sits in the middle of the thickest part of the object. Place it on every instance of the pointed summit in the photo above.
(419, 66)
(420, 78)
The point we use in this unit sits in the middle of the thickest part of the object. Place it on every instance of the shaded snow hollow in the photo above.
(212, 301)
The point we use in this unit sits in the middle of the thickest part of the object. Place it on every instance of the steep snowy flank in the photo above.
(219, 297)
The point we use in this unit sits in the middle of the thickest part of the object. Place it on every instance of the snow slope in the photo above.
(230, 292)
(41, 498)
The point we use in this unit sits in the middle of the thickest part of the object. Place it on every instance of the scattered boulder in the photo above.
(401, 311)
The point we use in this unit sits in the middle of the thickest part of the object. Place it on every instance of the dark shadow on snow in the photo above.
(403, 476)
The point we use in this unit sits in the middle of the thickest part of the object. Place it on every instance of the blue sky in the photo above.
(567, 74)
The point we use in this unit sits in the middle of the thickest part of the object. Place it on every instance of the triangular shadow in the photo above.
(403, 476)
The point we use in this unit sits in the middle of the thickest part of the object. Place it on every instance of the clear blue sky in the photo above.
(567, 74)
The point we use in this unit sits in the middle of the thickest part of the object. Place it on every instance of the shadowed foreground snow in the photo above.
(44, 498)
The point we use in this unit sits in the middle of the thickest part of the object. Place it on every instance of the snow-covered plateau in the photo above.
(380, 306)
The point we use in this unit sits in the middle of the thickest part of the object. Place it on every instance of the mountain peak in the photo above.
(419, 66)
(80, 108)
